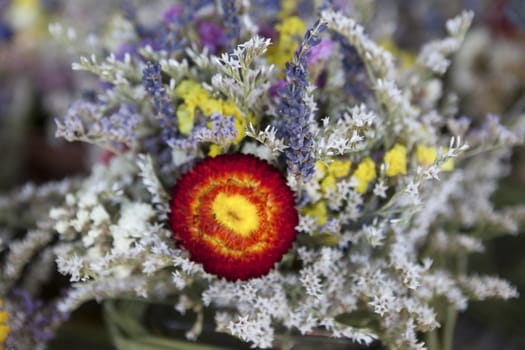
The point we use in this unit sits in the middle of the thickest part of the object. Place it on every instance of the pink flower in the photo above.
(320, 52)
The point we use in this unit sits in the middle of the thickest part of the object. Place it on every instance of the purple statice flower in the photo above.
(71, 126)
(85, 120)
(222, 132)
(121, 125)
(152, 81)
(33, 319)
(292, 106)
(231, 21)
(320, 52)
(172, 15)
(212, 36)
(223, 128)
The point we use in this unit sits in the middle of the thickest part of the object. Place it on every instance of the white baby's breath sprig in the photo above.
(268, 137)
(434, 56)
(152, 183)
(378, 60)
(243, 78)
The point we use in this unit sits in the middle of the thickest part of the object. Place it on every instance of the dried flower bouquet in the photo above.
(272, 159)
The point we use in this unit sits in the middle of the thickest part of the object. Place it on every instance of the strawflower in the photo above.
(4, 328)
(235, 215)
(287, 183)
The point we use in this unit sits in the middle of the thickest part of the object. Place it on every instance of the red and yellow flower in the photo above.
(235, 215)
(4, 328)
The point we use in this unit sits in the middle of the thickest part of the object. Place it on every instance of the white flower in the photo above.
(72, 266)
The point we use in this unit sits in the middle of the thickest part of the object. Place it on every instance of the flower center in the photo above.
(236, 212)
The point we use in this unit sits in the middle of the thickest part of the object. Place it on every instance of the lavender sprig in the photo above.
(299, 155)
(231, 21)
(152, 80)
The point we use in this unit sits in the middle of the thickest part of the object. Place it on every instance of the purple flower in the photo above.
(276, 88)
(34, 319)
(172, 14)
(292, 106)
(123, 50)
(320, 52)
(231, 20)
(268, 31)
(212, 36)
(152, 81)
(223, 128)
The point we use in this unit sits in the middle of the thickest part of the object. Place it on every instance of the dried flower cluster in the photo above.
(391, 186)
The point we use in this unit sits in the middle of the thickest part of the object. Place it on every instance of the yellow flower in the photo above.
(340, 168)
(195, 96)
(329, 183)
(426, 156)
(187, 87)
(449, 164)
(283, 50)
(287, 8)
(214, 150)
(331, 172)
(185, 118)
(365, 172)
(396, 159)
(4, 328)
(321, 169)
(192, 93)
(318, 211)
(291, 26)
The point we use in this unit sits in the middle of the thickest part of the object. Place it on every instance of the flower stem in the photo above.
(450, 324)
(451, 312)
(432, 340)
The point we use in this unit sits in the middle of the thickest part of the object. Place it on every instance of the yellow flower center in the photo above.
(236, 212)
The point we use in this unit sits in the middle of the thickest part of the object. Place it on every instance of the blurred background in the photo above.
(488, 76)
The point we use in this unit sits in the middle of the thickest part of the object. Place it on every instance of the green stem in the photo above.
(452, 313)
(432, 340)
(450, 324)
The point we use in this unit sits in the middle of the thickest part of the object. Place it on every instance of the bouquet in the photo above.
(270, 161)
